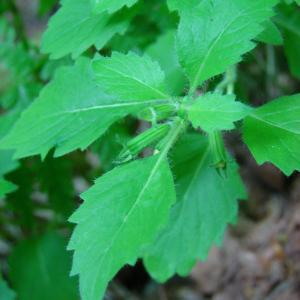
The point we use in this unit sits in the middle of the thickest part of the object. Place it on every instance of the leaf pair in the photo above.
(73, 111)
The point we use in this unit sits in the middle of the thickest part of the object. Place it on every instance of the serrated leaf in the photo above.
(164, 52)
(114, 226)
(6, 187)
(130, 77)
(39, 269)
(214, 34)
(71, 112)
(111, 6)
(272, 133)
(214, 111)
(74, 28)
(206, 203)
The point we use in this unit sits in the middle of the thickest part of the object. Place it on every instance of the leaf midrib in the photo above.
(274, 124)
(110, 106)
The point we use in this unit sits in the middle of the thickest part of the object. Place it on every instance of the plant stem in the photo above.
(270, 71)
(167, 143)
(228, 81)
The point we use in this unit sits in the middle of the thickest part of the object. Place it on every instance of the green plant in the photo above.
(170, 207)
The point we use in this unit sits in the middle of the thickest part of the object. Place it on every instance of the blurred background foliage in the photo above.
(37, 196)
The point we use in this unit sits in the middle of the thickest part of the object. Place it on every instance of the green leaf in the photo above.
(271, 35)
(214, 34)
(130, 77)
(71, 112)
(289, 20)
(6, 187)
(74, 28)
(111, 6)
(214, 111)
(181, 5)
(39, 269)
(272, 132)
(164, 52)
(206, 203)
(5, 292)
(114, 226)
(7, 163)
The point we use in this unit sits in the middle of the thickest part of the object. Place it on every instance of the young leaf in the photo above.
(6, 187)
(114, 226)
(272, 132)
(164, 52)
(214, 34)
(100, 6)
(130, 77)
(71, 112)
(206, 203)
(39, 269)
(74, 28)
(214, 111)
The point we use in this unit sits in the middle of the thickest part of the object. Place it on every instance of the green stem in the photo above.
(216, 141)
(177, 127)
(228, 81)
(217, 146)
(270, 70)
